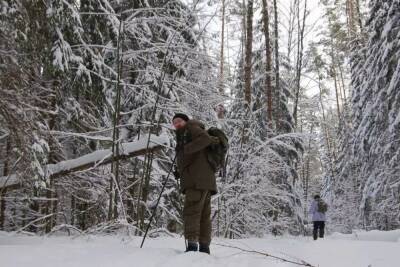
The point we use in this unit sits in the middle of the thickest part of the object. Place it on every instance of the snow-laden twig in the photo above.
(37, 220)
(4, 135)
(10, 179)
(83, 135)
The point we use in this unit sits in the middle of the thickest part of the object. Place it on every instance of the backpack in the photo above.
(322, 206)
(216, 153)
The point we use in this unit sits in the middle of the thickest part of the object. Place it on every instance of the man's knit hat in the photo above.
(181, 115)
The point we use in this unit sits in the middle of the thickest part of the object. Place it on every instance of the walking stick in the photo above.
(158, 201)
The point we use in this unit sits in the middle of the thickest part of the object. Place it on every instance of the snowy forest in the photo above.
(307, 91)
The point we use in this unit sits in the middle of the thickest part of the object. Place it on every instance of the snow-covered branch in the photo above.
(97, 158)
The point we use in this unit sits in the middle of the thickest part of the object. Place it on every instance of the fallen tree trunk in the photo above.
(94, 159)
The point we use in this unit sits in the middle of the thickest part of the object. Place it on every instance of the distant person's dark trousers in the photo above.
(319, 226)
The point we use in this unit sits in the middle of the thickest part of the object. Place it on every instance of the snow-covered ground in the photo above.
(364, 249)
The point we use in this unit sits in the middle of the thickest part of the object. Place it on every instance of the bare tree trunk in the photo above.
(82, 215)
(220, 109)
(115, 189)
(248, 52)
(132, 188)
(336, 89)
(73, 210)
(340, 88)
(218, 215)
(4, 191)
(221, 63)
(325, 128)
(244, 36)
(307, 167)
(350, 17)
(227, 47)
(145, 191)
(268, 85)
(277, 92)
(333, 70)
(111, 200)
(299, 64)
(290, 30)
(343, 85)
(50, 204)
(354, 20)
(359, 19)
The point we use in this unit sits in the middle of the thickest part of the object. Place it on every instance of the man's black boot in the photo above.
(191, 246)
(205, 248)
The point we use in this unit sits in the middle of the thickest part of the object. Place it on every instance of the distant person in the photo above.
(197, 180)
(317, 211)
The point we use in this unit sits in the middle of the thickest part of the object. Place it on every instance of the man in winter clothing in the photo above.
(317, 211)
(197, 180)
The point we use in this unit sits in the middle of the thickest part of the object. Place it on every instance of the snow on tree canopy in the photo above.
(370, 156)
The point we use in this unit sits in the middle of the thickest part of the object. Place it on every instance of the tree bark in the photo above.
(334, 76)
(290, 30)
(299, 64)
(268, 84)
(221, 63)
(307, 167)
(351, 17)
(220, 109)
(145, 192)
(3, 192)
(359, 19)
(277, 92)
(50, 206)
(333, 70)
(343, 85)
(114, 189)
(248, 52)
(73, 210)
(325, 128)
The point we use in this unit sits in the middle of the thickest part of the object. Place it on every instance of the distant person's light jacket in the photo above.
(316, 216)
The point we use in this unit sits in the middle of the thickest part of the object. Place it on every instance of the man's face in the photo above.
(179, 123)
